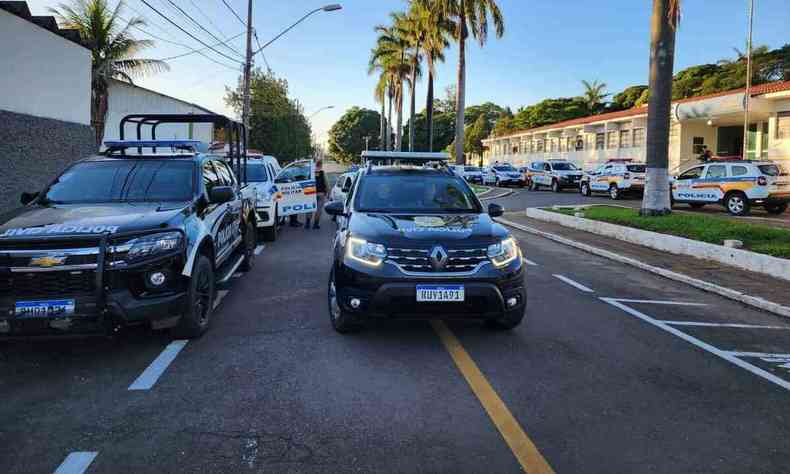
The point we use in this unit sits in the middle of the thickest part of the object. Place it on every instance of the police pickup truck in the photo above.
(125, 238)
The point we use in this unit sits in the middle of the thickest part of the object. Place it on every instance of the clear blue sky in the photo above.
(548, 48)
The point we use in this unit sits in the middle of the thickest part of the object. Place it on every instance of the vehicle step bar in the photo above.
(232, 270)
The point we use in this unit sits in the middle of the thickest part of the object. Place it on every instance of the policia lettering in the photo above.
(60, 229)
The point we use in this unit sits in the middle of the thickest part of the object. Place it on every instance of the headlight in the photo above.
(365, 252)
(153, 245)
(504, 252)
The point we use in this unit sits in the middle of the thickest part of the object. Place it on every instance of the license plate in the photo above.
(44, 309)
(440, 293)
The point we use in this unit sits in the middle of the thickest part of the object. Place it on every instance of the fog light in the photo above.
(354, 302)
(512, 301)
(157, 278)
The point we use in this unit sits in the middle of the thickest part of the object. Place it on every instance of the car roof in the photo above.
(148, 156)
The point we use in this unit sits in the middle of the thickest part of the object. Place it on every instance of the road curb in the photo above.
(729, 293)
(506, 194)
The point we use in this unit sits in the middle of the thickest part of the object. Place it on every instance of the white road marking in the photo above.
(529, 262)
(151, 375)
(724, 325)
(76, 462)
(757, 354)
(731, 357)
(259, 249)
(574, 284)
(678, 303)
(238, 275)
(221, 294)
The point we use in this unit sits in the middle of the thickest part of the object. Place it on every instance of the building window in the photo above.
(600, 141)
(625, 138)
(783, 126)
(579, 143)
(611, 140)
(639, 137)
(540, 146)
(698, 145)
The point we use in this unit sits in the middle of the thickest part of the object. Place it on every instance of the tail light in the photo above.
(762, 181)
(627, 176)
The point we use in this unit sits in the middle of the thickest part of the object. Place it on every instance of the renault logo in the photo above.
(438, 257)
(47, 261)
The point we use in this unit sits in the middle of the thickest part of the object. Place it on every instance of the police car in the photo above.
(128, 237)
(615, 177)
(261, 171)
(473, 174)
(737, 185)
(505, 173)
(342, 186)
(554, 174)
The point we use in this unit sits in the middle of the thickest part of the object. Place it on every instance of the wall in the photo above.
(33, 150)
(778, 150)
(126, 99)
(43, 74)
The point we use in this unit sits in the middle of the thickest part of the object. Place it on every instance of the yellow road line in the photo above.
(522, 447)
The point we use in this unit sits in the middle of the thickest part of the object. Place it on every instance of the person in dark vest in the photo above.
(321, 188)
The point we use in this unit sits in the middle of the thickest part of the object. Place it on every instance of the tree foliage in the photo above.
(278, 125)
(626, 99)
(347, 135)
(550, 111)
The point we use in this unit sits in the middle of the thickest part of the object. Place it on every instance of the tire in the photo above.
(196, 318)
(614, 192)
(737, 204)
(584, 189)
(249, 242)
(270, 233)
(342, 322)
(697, 205)
(533, 186)
(555, 186)
(776, 209)
(507, 322)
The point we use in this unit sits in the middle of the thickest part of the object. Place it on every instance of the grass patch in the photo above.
(755, 237)
(479, 189)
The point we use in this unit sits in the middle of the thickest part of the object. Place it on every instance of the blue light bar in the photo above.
(194, 145)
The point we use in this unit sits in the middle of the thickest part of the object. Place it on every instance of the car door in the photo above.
(295, 189)
(600, 181)
(683, 187)
(228, 235)
(709, 188)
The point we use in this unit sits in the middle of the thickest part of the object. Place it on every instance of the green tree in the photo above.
(278, 125)
(491, 111)
(627, 99)
(475, 135)
(550, 111)
(113, 49)
(594, 95)
(443, 130)
(347, 135)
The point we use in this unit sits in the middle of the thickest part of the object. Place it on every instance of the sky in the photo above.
(547, 49)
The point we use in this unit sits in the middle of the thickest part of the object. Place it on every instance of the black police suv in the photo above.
(120, 239)
(414, 241)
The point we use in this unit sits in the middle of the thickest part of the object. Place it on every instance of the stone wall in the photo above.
(33, 150)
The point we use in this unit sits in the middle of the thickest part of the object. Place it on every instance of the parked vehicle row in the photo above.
(615, 178)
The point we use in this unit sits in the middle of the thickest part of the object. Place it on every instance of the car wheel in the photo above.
(555, 186)
(585, 189)
(342, 322)
(270, 233)
(776, 208)
(249, 243)
(697, 205)
(533, 186)
(737, 204)
(507, 321)
(200, 301)
(614, 192)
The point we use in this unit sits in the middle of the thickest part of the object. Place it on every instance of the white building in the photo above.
(715, 121)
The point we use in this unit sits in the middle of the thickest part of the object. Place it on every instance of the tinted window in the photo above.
(693, 173)
(225, 174)
(415, 194)
(471, 168)
(296, 172)
(256, 173)
(739, 170)
(124, 180)
(210, 177)
(504, 168)
(716, 171)
(563, 166)
(636, 168)
(770, 170)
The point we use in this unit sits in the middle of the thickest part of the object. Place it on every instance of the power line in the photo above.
(265, 61)
(196, 23)
(234, 13)
(187, 32)
(198, 50)
(208, 18)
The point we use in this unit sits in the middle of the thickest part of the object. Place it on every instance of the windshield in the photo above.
(256, 173)
(564, 166)
(471, 168)
(636, 168)
(504, 168)
(124, 181)
(415, 194)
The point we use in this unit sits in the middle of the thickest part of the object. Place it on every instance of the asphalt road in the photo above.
(614, 371)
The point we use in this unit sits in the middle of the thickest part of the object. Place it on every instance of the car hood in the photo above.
(82, 219)
(427, 228)
(568, 172)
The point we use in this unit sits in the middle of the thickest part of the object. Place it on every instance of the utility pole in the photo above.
(747, 95)
(245, 114)
(367, 142)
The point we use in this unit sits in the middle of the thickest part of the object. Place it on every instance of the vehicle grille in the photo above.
(418, 260)
(48, 283)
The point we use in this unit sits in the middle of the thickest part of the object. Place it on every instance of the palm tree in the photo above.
(112, 49)
(379, 95)
(435, 42)
(468, 15)
(664, 21)
(393, 53)
(411, 27)
(594, 95)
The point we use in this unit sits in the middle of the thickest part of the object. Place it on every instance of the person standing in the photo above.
(321, 188)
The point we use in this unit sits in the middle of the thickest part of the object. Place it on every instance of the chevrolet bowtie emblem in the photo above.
(47, 261)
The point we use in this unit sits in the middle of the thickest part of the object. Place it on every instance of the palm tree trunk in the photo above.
(429, 109)
(99, 112)
(399, 131)
(389, 119)
(412, 105)
(656, 200)
(461, 92)
(382, 123)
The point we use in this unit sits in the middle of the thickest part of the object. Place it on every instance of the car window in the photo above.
(738, 170)
(415, 194)
(296, 172)
(770, 170)
(225, 173)
(210, 177)
(256, 173)
(564, 166)
(636, 168)
(692, 173)
(716, 171)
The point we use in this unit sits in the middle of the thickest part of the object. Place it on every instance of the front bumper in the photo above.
(265, 216)
(475, 179)
(570, 181)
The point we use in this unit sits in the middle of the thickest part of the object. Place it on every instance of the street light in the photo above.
(326, 8)
(320, 110)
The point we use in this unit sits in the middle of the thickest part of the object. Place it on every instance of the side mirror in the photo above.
(221, 194)
(27, 198)
(495, 210)
(334, 208)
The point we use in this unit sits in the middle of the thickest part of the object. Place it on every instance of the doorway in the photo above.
(729, 141)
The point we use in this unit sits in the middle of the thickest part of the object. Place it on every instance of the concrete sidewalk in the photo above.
(750, 284)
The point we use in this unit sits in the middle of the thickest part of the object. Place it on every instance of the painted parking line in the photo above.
(151, 374)
(76, 462)
(522, 447)
(221, 294)
(574, 284)
(529, 262)
(768, 355)
(724, 325)
(238, 275)
(259, 249)
(732, 357)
